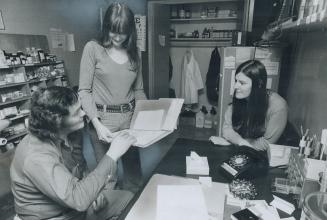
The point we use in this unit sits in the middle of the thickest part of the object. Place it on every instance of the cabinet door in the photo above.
(158, 21)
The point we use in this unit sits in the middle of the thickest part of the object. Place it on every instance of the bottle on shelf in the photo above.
(204, 12)
(181, 12)
(199, 118)
(213, 114)
(34, 55)
(207, 120)
(41, 55)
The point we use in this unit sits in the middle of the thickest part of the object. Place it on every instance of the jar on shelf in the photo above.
(204, 12)
(188, 13)
(173, 12)
(41, 55)
(181, 12)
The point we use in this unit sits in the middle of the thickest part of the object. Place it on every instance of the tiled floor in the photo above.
(183, 131)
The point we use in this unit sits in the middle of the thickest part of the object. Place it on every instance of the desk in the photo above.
(174, 164)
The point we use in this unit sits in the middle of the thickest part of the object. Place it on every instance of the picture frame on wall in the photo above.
(2, 24)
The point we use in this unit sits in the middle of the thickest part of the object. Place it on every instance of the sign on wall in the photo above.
(140, 23)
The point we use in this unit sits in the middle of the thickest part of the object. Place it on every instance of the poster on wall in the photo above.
(2, 24)
(58, 38)
(140, 23)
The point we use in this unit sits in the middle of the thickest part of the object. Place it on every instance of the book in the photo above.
(154, 119)
(244, 214)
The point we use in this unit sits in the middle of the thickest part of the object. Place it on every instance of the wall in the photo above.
(80, 17)
(307, 91)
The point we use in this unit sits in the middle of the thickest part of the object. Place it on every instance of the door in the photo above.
(158, 35)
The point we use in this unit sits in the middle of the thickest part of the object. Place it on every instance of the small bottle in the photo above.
(34, 55)
(207, 119)
(181, 12)
(40, 54)
(213, 114)
(199, 119)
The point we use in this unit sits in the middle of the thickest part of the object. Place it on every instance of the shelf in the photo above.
(15, 100)
(200, 42)
(10, 138)
(12, 84)
(31, 65)
(202, 19)
(18, 116)
(312, 22)
(200, 39)
(45, 79)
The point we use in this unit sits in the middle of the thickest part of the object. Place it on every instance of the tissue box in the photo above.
(197, 166)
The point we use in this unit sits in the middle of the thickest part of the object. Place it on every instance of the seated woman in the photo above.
(257, 116)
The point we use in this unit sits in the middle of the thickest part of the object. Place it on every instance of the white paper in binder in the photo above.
(154, 119)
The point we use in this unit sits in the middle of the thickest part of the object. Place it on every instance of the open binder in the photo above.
(154, 119)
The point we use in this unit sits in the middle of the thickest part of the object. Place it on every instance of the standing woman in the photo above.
(110, 76)
(257, 116)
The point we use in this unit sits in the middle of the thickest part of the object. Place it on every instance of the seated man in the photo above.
(48, 171)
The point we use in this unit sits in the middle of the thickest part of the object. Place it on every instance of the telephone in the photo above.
(245, 163)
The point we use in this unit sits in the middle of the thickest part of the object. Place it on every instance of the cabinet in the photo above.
(216, 23)
(169, 28)
(17, 82)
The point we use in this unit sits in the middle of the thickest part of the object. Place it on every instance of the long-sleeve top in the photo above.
(104, 81)
(47, 180)
(276, 119)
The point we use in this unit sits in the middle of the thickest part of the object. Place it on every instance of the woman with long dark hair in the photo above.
(110, 77)
(257, 116)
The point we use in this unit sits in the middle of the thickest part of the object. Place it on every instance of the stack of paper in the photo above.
(176, 202)
(196, 165)
(154, 119)
(279, 155)
(148, 204)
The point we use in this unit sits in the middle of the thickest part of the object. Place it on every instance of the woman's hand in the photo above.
(244, 142)
(120, 144)
(104, 134)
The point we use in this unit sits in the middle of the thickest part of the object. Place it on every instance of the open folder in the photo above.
(154, 119)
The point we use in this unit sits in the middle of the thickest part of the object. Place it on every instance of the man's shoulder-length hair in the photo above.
(48, 107)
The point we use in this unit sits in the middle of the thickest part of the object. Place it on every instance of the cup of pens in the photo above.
(315, 206)
(311, 147)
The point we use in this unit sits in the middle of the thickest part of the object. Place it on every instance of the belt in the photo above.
(123, 108)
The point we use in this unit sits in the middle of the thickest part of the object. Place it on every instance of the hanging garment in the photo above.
(212, 80)
(171, 90)
(191, 80)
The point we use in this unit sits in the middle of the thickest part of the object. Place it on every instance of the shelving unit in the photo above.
(234, 19)
(38, 74)
(307, 22)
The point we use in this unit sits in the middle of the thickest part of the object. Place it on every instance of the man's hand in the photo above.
(99, 203)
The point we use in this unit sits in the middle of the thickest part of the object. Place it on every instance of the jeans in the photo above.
(129, 168)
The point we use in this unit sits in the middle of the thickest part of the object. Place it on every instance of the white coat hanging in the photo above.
(191, 80)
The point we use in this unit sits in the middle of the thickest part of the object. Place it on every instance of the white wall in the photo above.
(80, 17)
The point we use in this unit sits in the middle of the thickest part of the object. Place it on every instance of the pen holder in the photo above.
(300, 172)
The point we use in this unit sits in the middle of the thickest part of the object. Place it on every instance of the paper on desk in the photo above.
(219, 140)
(279, 155)
(176, 202)
(149, 120)
(282, 205)
(145, 206)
